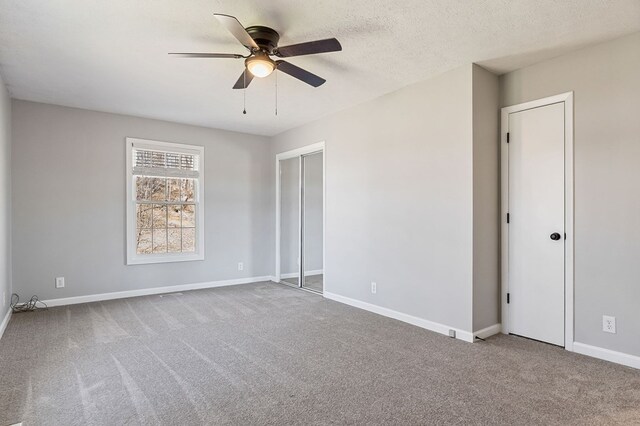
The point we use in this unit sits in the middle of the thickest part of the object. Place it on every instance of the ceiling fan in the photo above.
(262, 43)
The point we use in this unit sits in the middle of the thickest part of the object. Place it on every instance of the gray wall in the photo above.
(606, 84)
(486, 200)
(399, 198)
(5, 200)
(69, 203)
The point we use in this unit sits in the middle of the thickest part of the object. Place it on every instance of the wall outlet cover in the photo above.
(374, 287)
(608, 324)
(240, 266)
(59, 282)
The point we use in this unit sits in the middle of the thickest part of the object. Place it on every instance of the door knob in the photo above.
(555, 236)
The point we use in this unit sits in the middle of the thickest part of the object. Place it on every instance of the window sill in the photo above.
(148, 259)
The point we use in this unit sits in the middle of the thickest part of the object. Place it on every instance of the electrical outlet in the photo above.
(240, 266)
(374, 287)
(59, 282)
(608, 324)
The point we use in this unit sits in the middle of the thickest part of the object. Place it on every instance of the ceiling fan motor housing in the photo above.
(266, 38)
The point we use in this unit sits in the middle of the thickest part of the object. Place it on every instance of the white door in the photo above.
(536, 223)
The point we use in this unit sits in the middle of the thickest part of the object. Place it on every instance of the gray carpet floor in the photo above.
(269, 354)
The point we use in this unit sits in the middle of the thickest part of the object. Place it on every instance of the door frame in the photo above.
(567, 99)
(298, 153)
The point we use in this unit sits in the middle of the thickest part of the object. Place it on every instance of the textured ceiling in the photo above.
(112, 55)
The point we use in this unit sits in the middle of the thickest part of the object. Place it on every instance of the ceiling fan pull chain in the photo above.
(244, 93)
(276, 73)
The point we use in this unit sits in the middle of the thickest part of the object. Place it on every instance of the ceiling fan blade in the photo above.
(244, 80)
(208, 55)
(235, 27)
(309, 48)
(300, 74)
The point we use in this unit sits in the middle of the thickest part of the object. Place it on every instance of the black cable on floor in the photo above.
(28, 306)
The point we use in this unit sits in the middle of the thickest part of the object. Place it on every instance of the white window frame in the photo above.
(133, 258)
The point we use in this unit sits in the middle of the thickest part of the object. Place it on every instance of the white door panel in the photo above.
(536, 209)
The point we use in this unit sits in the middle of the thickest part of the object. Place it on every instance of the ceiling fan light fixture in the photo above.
(260, 65)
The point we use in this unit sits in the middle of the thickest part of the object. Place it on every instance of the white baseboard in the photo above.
(489, 331)
(607, 354)
(5, 323)
(306, 274)
(420, 322)
(153, 290)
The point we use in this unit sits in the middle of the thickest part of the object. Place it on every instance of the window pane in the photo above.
(161, 189)
(173, 161)
(187, 162)
(174, 189)
(166, 195)
(188, 215)
(143, 243)
(160, 240)
(158, 159)
(143, 158)
(188, 190)
(188, 240)
(143, 216)
(159, 216)
(143, 188)
(158, 188)
(175, 240)
(174, 216)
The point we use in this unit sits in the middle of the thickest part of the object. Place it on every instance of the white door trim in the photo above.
(567, 99)
(316, 147)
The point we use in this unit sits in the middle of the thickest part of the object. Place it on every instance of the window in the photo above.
(164, 202)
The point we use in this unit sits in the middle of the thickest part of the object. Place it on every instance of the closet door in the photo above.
(312, 221)
(536, 225)
(290, 234)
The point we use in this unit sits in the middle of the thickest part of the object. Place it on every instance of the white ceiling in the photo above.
(112, 55)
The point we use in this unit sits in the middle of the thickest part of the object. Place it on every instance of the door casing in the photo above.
(567, 99)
